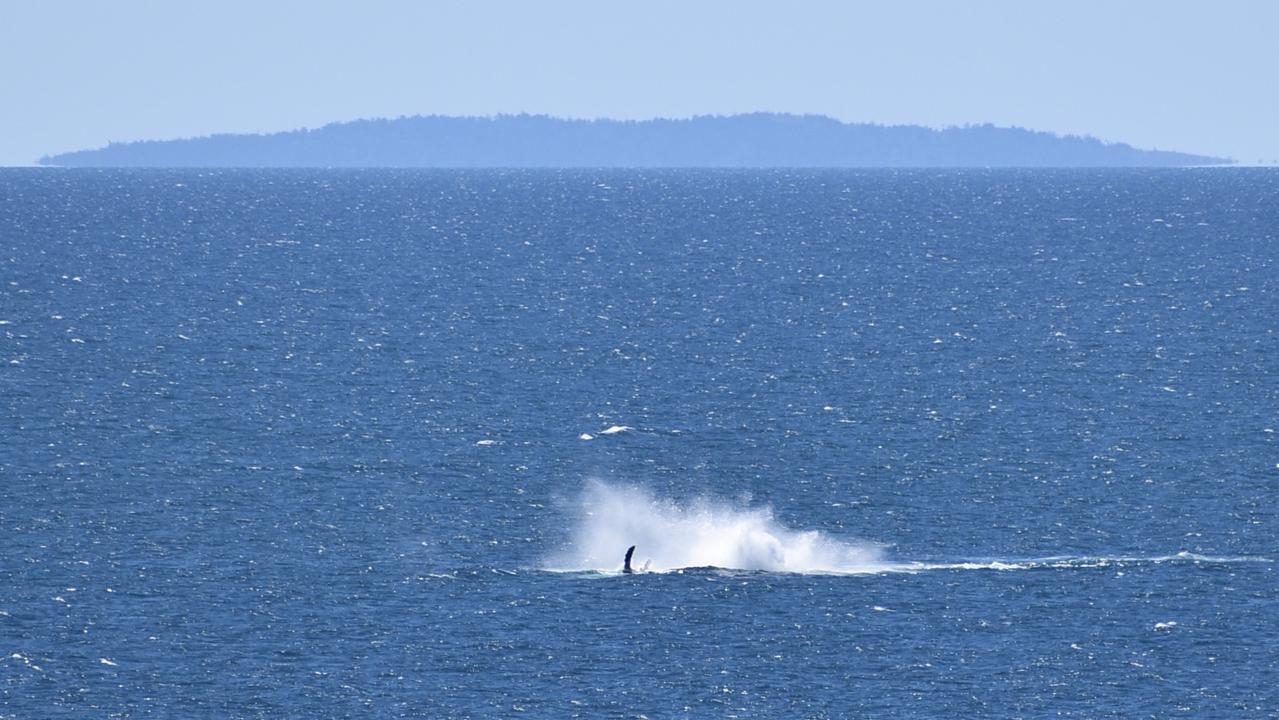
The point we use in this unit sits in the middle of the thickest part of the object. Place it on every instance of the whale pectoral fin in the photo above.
(626, 567)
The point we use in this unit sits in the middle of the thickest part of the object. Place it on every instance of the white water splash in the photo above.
(702, 533)
(711, 533)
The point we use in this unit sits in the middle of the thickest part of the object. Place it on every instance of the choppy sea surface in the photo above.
(372, 444)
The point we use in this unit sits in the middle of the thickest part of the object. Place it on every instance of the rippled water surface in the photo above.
(890, 444)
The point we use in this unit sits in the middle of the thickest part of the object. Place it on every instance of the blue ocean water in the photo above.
(892, 444)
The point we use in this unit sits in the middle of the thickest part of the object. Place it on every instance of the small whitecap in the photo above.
(486, 442)
(615, 429)
(1166, 625)
(586, 436)
(105, 661)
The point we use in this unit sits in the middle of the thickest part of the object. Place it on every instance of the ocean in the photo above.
(889, 444)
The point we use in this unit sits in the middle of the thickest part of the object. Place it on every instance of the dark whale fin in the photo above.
(626, 568)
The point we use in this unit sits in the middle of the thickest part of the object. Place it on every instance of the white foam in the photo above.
(705, 532)
(701, 533)
(615, 429)
(27, 661)
(1061, 562)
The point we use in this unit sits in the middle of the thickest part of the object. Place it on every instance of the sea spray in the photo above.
(704, 532)
(606, 519)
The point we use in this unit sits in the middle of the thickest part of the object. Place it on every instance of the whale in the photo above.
(626, 564)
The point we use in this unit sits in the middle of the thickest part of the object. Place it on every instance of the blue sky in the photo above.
(1191, 76)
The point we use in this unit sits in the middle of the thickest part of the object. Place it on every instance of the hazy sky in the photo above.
(1194, 76)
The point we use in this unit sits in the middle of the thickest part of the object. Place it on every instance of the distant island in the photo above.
(539, 141)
